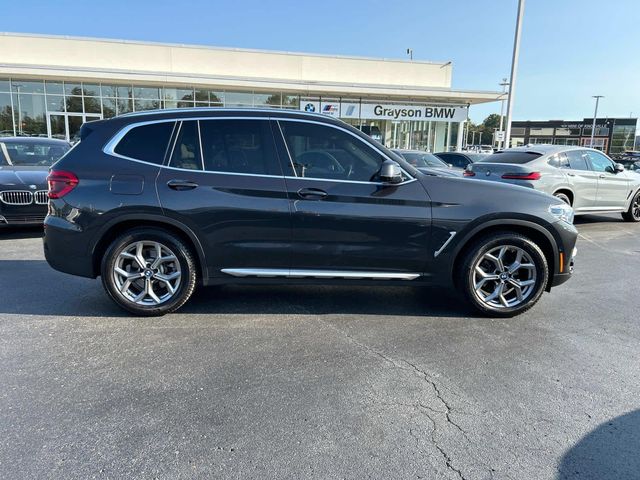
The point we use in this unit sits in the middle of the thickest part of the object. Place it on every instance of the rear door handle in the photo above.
(181, 185)
(312, 193)
(602, 175)
(571, 174)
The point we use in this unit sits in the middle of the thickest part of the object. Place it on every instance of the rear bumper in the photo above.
(63, 248)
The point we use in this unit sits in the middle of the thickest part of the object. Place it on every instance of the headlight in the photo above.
(562, 211)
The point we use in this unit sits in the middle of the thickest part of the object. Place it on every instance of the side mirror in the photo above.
(390, 172)
(619, 168)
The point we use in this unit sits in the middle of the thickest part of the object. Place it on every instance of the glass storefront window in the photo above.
(267, 99)
(27, 86)
(150, 93)
(74, 104)
(55, 103)
(108, 107)
(216, 98)
(92, 105)
(91, 89)
(109, 90)
(238, 99)
(290, 100)
(54, 88)
(72, 88)
(6, 115)
(124, 92)
(146, 105)
(30, 114)
(4, 85)
(124, 106)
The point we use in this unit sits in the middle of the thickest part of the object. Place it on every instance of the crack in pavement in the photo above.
(408, 366)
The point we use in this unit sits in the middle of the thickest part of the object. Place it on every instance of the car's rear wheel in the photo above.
(148, 272)
(563, 196)
(633, 214)
(503, 274)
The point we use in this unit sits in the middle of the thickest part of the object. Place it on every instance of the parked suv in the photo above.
(584, 178)
(157, 202)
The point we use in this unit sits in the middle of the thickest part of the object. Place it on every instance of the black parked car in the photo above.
(460, 159)
(156, 202)
(24, 164)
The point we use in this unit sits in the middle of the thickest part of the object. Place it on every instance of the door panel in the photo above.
(360, 226)
(613, 188)
(343, 218)
(242, 219)
(582, 179)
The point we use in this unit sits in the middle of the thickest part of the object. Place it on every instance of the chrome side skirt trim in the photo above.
(294, 273)
(444, 245)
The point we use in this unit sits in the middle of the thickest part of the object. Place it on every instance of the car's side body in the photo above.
(279, 225)
(586, 177)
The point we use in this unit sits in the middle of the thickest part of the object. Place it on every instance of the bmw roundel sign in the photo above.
(309, 107)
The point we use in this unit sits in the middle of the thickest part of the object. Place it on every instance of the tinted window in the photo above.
(600, 163)
(577, 160)
(147, 142)
(320, 151)
(559, 160)
(32, 153)
(186, 151)
(458, 161)
(239, 146)
(511, 157)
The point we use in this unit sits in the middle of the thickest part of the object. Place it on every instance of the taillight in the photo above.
(468, 173)
(60, 183)
(522, 176)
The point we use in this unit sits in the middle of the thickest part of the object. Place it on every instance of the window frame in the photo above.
(109, 147)
(410, 178)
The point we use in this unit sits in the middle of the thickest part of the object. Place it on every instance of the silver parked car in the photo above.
(584, 178)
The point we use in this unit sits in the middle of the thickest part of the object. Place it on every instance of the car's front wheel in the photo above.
(503, 274)
(633, 214)
(148, 271)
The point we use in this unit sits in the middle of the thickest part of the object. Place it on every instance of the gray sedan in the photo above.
(584, 178)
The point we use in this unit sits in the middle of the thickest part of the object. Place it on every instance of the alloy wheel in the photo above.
(635, 207)
(504, 277)
(147, 273)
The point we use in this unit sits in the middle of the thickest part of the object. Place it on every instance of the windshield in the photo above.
(419, 160)
(31, 154)
(510, 157)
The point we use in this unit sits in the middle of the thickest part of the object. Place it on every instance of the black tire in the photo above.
(184, 264)
(474, 255)
(563, 196)
(633, 214)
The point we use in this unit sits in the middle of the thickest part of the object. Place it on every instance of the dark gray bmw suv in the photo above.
(157, 202)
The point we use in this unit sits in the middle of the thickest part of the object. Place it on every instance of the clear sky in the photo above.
(571, 49)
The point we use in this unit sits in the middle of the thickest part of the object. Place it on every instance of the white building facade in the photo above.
(50, 85)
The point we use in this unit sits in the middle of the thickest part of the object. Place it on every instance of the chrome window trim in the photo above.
(109, 147)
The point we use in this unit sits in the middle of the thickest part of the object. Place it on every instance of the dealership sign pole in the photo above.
(595, 115)
(514, 71)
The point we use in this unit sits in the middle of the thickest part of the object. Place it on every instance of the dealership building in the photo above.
(50, 85)
(611, 135)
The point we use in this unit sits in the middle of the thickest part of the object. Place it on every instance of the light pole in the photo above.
(514, 71)
(595, 115)
(504, 90)
(19, 108)
(410, 53)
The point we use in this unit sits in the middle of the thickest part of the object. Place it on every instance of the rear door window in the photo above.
(186, 151)
(239, 146)
(577, 160)
(146, 142)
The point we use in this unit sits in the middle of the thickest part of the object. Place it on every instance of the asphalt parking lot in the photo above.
(307, 382)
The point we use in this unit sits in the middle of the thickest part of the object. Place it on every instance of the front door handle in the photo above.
(312, 193)
(571, 174)
(602, 175)
(181, 185)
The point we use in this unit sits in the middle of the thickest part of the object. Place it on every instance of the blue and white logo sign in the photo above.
(309, 107)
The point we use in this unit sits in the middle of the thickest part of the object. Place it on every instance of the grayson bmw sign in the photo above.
(373, 111)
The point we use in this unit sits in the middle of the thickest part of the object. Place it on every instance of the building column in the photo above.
(460, 137)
